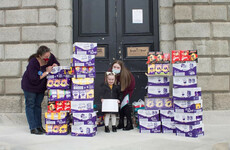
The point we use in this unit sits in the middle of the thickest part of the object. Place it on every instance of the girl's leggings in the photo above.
(107, 116)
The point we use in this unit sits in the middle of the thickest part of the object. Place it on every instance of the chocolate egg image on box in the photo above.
(151, 69)
(57, 83)
(158, 68)
(165, 68)
(50, 83)
(64, 82)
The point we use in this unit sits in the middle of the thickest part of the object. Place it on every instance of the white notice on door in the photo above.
(137, 15)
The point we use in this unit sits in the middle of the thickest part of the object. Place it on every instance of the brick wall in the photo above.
(24, 26)
(184, 24)
(204, 25)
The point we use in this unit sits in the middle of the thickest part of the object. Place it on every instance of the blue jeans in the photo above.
(33, 108)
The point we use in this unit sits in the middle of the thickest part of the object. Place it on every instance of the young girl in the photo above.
(110, 90)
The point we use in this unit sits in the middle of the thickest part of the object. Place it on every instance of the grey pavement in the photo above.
(16, 136)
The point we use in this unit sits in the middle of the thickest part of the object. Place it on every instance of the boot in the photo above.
(114, 128)
(36, 131)
(129, 125)
(107, 129)
(41, 129)
(120, 124)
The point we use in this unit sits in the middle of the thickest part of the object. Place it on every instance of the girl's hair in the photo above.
(110, 74)
(125, 75)
(41, 51)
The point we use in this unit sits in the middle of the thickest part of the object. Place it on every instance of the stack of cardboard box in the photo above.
(83, 70)
(57, 118)
(186, 95)
(157, 93)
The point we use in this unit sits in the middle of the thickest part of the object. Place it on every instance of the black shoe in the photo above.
(120, 124)
(114, 128)
(36, 131)
(107, 129)
(41, 129)
(129, 126)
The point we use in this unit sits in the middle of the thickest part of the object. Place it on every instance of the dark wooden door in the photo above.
(124, 30)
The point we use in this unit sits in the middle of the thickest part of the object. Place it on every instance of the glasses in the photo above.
(110, 73)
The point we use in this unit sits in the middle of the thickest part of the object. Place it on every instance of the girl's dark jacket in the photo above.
(107, 93)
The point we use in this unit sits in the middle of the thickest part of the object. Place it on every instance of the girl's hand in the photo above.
(49, 69)
(54, 65)
(118, 101)
(102, 100)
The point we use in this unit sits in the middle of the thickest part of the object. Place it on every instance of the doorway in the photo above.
(124, 29)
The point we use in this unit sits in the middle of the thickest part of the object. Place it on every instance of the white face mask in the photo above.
(116, 71)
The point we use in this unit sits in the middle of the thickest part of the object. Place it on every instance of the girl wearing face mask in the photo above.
(34, 86)
(127, 82)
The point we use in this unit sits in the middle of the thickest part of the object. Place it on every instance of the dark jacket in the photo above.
(108, 93)
(31, 81)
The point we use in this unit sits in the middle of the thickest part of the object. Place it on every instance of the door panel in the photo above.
(89, 22)
(129, 7)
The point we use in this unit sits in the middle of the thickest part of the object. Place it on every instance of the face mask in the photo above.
(46, 59)
(116, 71)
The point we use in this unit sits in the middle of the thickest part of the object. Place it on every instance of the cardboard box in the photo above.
(151, 58)
(159, 57)
(193, 55)
(82, 83)
(190, 130)
(66, 106)
(168, 127)
(188, 118)
(52, 106)
(176, 56)
(84, 118)
(60, 72)
(85, 48)
(158, 81)
(158, 103)
(57, 118)
(148, 115)
(82, 60)
(83, 72)
(149, 127)
(52, 129)
(186, 93)
(158, 91)
(151, 69)
(188, 106)
(185, 69)
(82, 106)
(185, 82)
(166, 58)
(59, 106)
(184, 54)
(167, 115)
(87, 94)
(58, 83)
(84, 130)
(59, 95)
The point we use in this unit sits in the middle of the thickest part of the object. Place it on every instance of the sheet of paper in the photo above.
(137, 15)
(109, 105)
